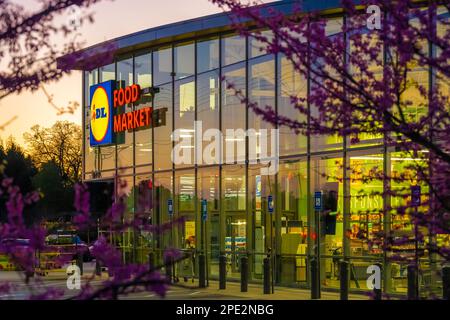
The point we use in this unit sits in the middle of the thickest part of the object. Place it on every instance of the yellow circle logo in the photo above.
(99, 114)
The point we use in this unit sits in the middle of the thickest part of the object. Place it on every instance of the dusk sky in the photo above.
(112, 19)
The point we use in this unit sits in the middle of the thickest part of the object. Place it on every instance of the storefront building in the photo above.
(247, 213)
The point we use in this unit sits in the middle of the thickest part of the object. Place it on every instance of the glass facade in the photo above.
(194, 85)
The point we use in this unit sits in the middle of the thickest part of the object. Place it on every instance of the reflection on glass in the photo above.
(207, 55)
(327, 176)
(90, 78)
(126, 241)
(291, 84)
(262, 92)
(366, 204)
(108, 72)
(371, 76)
(124, 139)
(162, 62)
(162, 140)
(208, 189)
(184, 121)
(233, 49)
(185, 206)
(404, 174)
(144, 211)
(143, 70)
(259, 47)
(184, 61)
(208, 107)
(234, 109)
(294, 221)
(163, 184)
(261, 187)
(143, 137)
(234, 202)
(333, 29)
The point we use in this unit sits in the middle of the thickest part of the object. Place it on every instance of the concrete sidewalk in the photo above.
(255, 292)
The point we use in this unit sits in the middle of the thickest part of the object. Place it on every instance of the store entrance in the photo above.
(327, 222)
(235, 241)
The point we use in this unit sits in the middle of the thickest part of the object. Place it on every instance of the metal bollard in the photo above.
(244, 274)
(151, 260)
(412, 283)
(267, 276)
(446, 283)
(80, 263)
(201, 271)
(377, 291)
(98, 268)
(222, 272)
(343, 278)
(315, 281)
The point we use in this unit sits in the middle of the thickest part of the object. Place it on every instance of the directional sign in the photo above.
(204, 209)
(318, 203)
(270, 203)
(170, 207)
(415, 195)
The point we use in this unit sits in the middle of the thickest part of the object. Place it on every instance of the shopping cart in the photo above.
(186, 267)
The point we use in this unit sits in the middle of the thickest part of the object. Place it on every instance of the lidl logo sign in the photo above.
(101, 113)
(109, 116)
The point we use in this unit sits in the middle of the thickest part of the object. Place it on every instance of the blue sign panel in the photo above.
(101, 114)
(204, 209)
(318, 200)
(415, 195)
(170, 207)
(270, 203)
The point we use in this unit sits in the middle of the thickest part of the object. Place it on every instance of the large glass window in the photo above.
(366, 204)
(333, 29)
(144, 212)
(124, 139)
(233, 49)
(127, 241)
(184, 60)
(208, 189)
(143, 136)
(262, 92)
(259, 47)
(327, 176)
(235, 218)
(262, 222)
(405, 172)
(107, 155)
(163, 184)
(143, 69)
(208, 113)
(366, 126)
(207, 55)
(185, 207)
(184, 122)
(162, 134)
(291, 84)
(162, 60)
(292, 200)
(233, 111)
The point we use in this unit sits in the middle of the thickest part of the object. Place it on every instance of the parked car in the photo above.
(68, 243)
